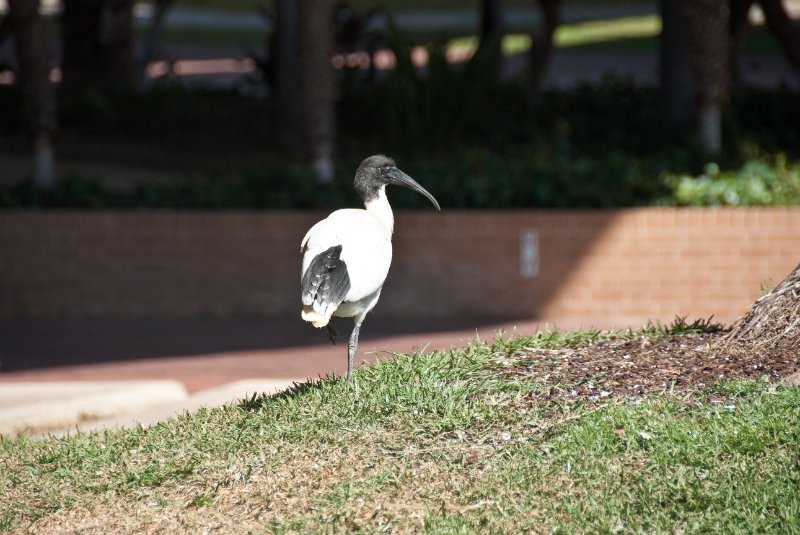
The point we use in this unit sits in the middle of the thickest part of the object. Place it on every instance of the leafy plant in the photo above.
(771, 180)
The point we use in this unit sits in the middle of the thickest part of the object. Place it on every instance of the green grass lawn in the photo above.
(443, 443)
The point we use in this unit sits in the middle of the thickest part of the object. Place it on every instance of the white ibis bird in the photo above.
(346, 256)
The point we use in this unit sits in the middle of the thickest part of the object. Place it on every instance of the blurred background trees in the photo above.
(326, 99)
(707, 29)
(317, 86)
(97, 45)
(542, 41)
(38, 103)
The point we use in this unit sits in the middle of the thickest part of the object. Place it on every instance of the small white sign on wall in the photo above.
(529, 253)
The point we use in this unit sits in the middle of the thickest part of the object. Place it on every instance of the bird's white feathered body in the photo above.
(347, 255)
(365, 236)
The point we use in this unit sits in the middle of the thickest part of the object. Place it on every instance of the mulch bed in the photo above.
(640, 366)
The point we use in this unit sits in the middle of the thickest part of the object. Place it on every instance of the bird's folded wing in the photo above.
(325, 282)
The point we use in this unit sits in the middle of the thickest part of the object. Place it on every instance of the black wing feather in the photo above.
(326, 281)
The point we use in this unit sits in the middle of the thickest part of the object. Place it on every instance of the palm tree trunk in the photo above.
(676, 70)
(117, 40)
(317, 83)
(740, 10)
(491, 35)
(284, 75)
(97, 44)
(773, 321)
(542, 42)
(39, 107)
(151, 41)
(707, 23)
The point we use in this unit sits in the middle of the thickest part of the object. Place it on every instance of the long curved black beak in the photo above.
(397, 177)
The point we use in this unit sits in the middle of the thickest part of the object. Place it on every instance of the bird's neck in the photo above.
(379, 207)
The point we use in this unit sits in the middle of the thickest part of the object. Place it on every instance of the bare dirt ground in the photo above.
(640, 366)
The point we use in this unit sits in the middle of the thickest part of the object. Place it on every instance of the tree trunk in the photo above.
(773, 321)
(151, 41)
(80, 30)
(707, 23)
(39, 109)
(490, 48)
(542, 41)
(317, 83)
(97, 43)
(284, 76)
(117, 40)
(783, 28)
(491, 18)
(740, 10)
(676, 70)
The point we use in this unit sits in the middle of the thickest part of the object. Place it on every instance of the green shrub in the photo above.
(472, 140)
(473, 178)
(544, 178)
(760, 181)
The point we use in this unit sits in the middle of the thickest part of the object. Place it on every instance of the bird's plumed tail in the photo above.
(315, 318)
(325, 284)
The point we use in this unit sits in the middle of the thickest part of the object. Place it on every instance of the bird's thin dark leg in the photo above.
(351, 350)
(330, 328)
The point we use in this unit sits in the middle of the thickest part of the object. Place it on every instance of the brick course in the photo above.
(625, 266)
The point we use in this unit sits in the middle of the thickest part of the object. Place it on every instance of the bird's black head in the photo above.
(377, 171)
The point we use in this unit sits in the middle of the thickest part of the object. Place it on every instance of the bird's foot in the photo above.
(330, 329)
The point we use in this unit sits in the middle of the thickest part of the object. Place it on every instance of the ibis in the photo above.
(346, 256)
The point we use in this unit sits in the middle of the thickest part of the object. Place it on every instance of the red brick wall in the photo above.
(624, 266)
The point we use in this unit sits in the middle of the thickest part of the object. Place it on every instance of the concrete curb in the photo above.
(29, 407)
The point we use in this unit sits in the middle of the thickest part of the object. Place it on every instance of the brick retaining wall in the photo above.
(624, 266)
